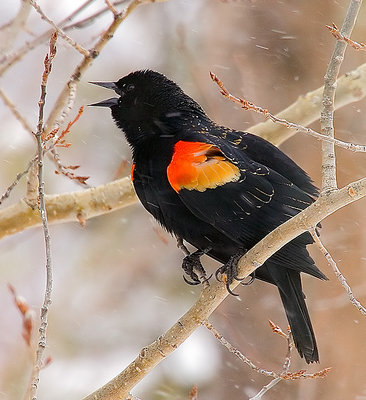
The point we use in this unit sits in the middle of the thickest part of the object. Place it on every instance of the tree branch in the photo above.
(8, 60)
(337, 272)
(15, 112)
(213, 295)
(335, 32)
(59, 31)
(247, 105)
(66, 98)
(329, 168)
(351, 87)
(42, 342)
(238, 353)
(67, 207)
(10, 31)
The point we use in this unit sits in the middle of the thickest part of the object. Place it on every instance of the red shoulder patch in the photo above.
(199, 166)
(132, 170)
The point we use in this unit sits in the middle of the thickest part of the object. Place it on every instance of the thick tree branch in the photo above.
(66, 207)
(213, 295)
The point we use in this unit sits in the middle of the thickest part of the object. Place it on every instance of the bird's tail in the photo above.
(289, 285)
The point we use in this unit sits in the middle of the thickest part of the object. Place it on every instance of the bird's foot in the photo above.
(228, 272)
(192, 266)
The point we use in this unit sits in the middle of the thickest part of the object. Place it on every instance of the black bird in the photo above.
(218, 189)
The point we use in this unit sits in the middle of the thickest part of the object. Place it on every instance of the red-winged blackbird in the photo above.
(219, 189)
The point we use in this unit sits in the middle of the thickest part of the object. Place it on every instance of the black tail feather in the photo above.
(289, 285)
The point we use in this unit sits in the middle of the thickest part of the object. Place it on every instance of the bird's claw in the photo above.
(193, 268)
(228, 272)
(249, 281)
(193, 281)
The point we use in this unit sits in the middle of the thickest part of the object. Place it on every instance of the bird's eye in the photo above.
(130, 87)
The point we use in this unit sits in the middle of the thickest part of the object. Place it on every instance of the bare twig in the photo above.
(286, 364)
(15, 112)
(237, 352)
(8, 60)
(26, 313)
(66, 170)
(59, 31)
(39, 361)
(10, 31)
(291, 376)
(31, 196)
(58, 140)
(329, 175)
(278, 377)
(335, 32)
(265, 388)
(16, 181)
(193, 395)
(288, 336)
(247, 105)
(88, 20)
(111, 7)
(351, 87)
(66, 98)
(276, 329)
(337, 272)
(303, 374)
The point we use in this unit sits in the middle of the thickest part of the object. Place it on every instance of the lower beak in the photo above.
(105, 103)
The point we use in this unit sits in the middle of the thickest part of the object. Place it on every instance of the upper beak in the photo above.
(110, 102)
(108, 85)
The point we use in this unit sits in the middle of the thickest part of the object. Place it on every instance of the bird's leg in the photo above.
(192, 265)
(180, 245)
(229, 271)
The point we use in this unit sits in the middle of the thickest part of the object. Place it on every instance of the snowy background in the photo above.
(117, 282)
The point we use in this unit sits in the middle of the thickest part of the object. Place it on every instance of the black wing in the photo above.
(248, 208)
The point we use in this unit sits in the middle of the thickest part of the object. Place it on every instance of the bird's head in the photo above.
(148, 103)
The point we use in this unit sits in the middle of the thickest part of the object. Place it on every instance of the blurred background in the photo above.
(117, 281)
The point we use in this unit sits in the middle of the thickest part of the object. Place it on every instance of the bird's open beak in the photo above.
(109, 102)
